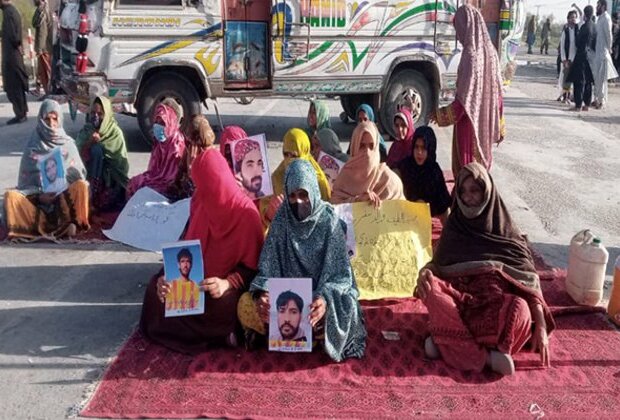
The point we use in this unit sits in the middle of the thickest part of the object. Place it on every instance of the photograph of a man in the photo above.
(289, 314)
(250, 166)
(52, 173)
(290, 308)
(184, 293)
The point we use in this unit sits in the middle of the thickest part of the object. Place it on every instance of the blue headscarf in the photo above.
(315, 247)
(367, 109)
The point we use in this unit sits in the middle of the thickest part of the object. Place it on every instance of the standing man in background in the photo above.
(42, 22)
(544, 36)
(531, 34)
(14, 76)
(603, 66)
(568, 49)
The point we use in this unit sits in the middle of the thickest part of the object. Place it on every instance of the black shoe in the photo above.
(16, 120)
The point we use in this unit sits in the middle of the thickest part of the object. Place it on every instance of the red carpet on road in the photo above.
(392, 381)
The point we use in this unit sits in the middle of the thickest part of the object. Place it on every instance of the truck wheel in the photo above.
(406, 88)
(159, 88)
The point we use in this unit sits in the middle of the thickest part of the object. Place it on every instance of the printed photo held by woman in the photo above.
(228, 226)
(422, 177)
(481, 288)
(102, 146)
(306, 239)
(477, 111)
(364, 177)
(168, 149)
(32, 213)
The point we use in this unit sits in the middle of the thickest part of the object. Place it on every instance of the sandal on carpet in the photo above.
(430, 349)
(501, 363)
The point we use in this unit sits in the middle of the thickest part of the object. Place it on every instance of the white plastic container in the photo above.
(587, 262)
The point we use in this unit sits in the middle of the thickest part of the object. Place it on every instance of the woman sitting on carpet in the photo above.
(318, 117)
(306, 239)
(422, 177)
(364, 177)
(199, 139)
(296, 146)
(326, 140)
(230, 134)
(102, 146)
(33, 213)
(168, 148)
(228, 226)
(481, 288)
(403, 142)
(365, 113)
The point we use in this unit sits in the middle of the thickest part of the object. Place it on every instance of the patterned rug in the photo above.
(393, 381)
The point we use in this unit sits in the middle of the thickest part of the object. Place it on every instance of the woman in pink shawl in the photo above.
(477, 112)
(167, 153)
(230, 134)
(403, 142)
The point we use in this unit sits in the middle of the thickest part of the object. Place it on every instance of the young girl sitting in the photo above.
(421, 175)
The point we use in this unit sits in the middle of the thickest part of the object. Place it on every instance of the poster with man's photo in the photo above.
(289, 315)
(251, 165)
(331, 167)
(183, 271)
(52, 169)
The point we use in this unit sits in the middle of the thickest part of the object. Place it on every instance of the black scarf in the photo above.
(425, 182)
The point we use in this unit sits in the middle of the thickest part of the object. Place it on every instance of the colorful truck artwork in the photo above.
(383, 52)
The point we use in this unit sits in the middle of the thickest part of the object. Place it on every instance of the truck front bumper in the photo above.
(83, 88)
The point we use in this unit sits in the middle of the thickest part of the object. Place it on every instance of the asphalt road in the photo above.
(65, 309)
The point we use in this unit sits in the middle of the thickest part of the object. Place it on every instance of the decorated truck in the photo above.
(382, 52)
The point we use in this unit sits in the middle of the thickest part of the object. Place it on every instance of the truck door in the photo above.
(247, 63)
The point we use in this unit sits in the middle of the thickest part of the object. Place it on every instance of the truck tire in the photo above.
(406, 87)
(160, 87)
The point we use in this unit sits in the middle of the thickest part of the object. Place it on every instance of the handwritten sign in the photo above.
(149, 220)
(391, 245)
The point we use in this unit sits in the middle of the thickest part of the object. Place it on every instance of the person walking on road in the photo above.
(603, 66)
(42, 22)
(544, 37)
(580, 73)
(531, 34)
(14, 76)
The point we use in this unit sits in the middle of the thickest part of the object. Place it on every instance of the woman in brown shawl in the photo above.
(481, 288)
(477, 111)
(364, 177)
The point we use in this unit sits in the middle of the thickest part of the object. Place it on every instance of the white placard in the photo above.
(331, 167)
(149, 220)
(345, 213)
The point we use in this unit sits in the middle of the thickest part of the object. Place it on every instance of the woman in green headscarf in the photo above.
(318, 117)
(102, 146)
